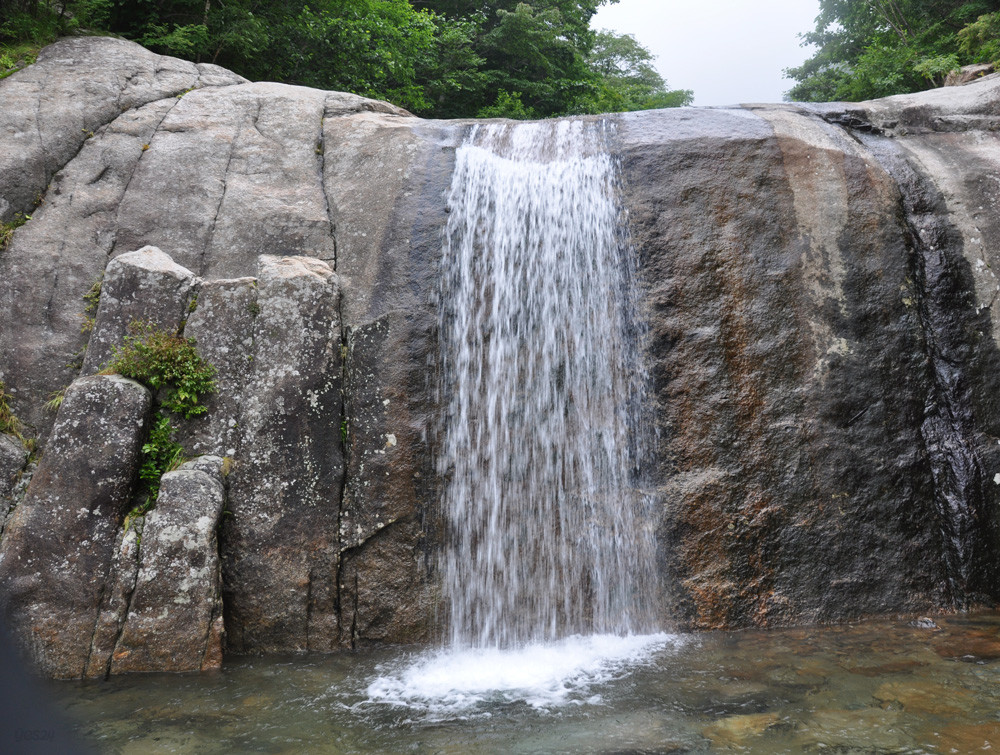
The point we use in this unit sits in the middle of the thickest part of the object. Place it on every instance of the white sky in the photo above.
(727, 51)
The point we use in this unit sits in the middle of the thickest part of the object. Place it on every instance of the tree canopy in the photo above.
(439, 58)
(875, 48)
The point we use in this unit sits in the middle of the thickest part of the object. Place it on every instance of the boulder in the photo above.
(59, 544)
(280, 546)
(965, 74)
(145, 286)
(174, 620)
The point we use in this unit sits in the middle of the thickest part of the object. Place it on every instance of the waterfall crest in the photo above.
(548, 532)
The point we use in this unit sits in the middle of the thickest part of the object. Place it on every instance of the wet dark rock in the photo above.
(382, 586)
(59, 544)
(795, 368)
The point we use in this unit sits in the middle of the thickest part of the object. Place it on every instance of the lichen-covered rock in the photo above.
(174, 618)
(58, 546)
(280, 553)
(13, 457)
(222, 326)
(215, 177)
(145, 286)
(118, 589)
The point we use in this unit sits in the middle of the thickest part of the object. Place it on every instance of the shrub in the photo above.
(7, 229)
(159, 359)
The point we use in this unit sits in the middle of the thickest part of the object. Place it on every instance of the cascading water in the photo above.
(546, 525)
(549, 532)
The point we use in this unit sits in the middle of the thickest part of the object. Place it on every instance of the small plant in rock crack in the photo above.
(160, 454)
(7, 229)
(55, 400)
(159, 359)
(10, 424)
(92, 299)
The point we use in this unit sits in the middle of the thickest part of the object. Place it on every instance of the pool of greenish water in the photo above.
(887, 687)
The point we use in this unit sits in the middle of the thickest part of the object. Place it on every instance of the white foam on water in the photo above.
(463, 683)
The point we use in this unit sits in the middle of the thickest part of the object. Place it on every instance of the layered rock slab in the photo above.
(281, 543)
(145, 287)
(174, 620)
(57, 548)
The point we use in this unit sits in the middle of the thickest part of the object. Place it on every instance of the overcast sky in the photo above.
(727, 51)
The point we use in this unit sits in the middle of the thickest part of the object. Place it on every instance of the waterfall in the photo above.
(548, 530)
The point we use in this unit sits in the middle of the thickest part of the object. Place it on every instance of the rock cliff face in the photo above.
(818, 284)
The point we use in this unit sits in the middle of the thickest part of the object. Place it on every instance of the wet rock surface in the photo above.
(818, 284)
(799, 334)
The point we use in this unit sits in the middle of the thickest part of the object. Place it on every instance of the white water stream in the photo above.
(548, 573)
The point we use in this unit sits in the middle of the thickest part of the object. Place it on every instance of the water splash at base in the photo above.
(457, 684)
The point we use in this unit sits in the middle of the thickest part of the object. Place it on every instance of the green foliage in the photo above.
(160, 454)
(7, 229)
(980, 40)
(507, 105)
(936, 68)
(55, 400)
(25, 27)
(92, 299)
(9, 423)
(440, 58)
(875, 48)
(627, 79)
(159, 359)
